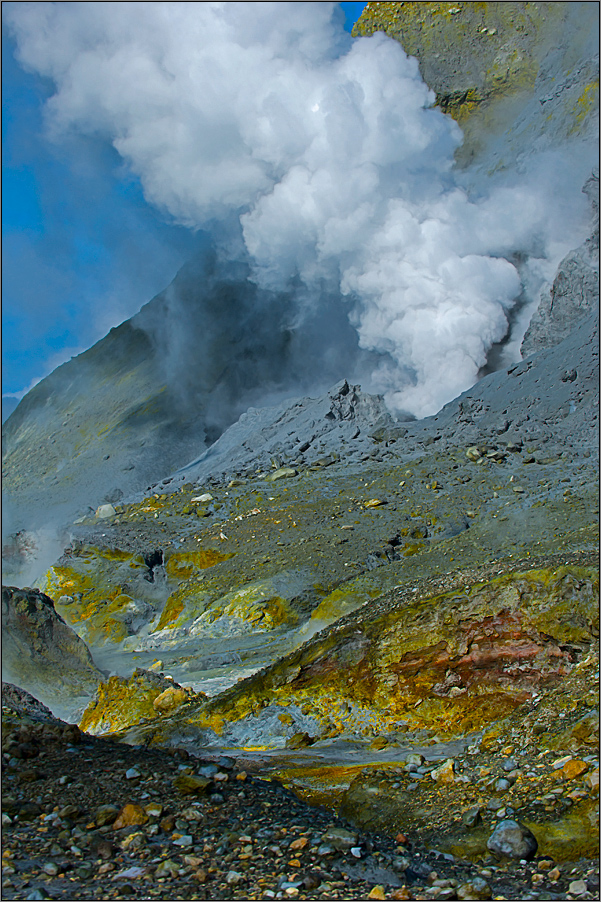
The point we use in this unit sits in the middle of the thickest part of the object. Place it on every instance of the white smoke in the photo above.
(325, 151)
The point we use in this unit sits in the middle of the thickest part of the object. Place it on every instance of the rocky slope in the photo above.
(515, 75)
(223, 554)
(160, 388)
(150, 824)
(397, 620)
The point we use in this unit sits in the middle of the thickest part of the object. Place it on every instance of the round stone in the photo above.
(511, 839)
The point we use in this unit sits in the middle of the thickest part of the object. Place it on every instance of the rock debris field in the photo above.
(88, 818)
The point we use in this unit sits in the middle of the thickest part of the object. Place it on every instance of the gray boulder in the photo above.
(44, 656)
(510, 839)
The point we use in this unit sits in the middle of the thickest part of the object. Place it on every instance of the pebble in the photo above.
(50, 868)
(184, 841)
(471, 817)
(189, 784)
(233, 877)
(167, 868)
(574, 768)
(339, 838)
(445, 773)
(561, 762)
(475, 889)
(129, 816)
(106, 814)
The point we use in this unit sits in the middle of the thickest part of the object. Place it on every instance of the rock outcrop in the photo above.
(119, 702)
(515, 75)
(43, 655)
(453, 662)
(574, 294)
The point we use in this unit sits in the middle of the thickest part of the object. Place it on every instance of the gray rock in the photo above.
(50, 868)
(339, 838)
(42, 654)
(574, 293)
(105, 512)
(471, 817)
(281, 473)
(510, 839)
(502, 785)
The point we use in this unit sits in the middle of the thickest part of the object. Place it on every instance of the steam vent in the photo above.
(301, 561)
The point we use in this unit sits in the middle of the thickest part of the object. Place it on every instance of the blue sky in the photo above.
(67, 275)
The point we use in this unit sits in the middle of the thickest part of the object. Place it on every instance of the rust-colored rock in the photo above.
(130, 816)
(574, 768)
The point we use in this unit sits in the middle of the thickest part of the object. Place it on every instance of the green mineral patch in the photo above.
(183, 606)
(573, 836)
(250, 608)
(337, 604)
(91, 592)
(184, 564)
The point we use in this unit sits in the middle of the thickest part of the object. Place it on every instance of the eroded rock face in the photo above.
(43, 655)
(575, 290)
(451, 662)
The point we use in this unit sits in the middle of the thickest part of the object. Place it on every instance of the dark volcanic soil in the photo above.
(229, 836)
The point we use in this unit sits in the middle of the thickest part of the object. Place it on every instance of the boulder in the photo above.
(120, 703)
(43, 655)
(510, 839)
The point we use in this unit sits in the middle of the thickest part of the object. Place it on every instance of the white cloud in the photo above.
(325, 150)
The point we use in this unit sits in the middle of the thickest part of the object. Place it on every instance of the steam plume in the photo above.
(321, 153)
